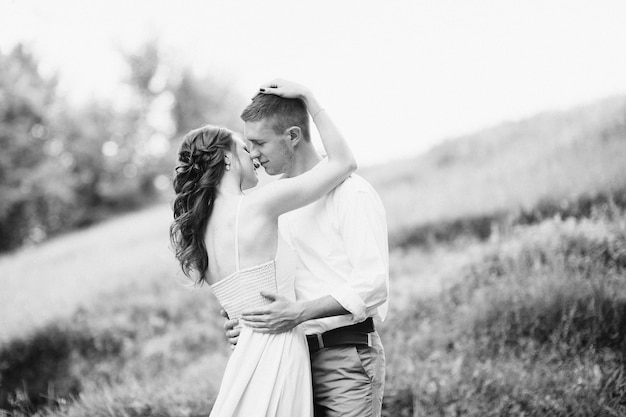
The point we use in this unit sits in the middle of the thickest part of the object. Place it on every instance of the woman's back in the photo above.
(240, 289)
(238, 237)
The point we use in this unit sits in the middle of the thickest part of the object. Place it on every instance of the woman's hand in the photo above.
(285, 88)
(231, 329)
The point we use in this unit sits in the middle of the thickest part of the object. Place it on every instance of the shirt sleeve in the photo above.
(363, 226)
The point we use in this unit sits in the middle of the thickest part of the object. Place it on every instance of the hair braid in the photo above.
(196, 178)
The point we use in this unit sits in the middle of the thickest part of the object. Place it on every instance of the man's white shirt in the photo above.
(341, 245)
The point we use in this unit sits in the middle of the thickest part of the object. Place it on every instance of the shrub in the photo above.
(536, 326)
(602, 205)
(143, 350)
(41, 369)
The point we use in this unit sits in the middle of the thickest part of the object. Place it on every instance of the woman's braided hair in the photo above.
(201, 166)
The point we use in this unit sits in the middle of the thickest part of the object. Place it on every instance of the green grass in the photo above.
(142, 350)
(524, 318)
(535, 326)
(101, 322)
(483, 227)
(555, 156)
(52, 280)
(530, 323)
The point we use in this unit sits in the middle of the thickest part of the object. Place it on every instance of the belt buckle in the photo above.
(320, 341)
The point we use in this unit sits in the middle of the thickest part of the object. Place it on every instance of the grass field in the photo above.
(104, 315)
(536, 325)
(524, 320)
(61, 275)
(555, 156)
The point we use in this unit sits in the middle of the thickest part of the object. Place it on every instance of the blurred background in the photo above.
(494, 132)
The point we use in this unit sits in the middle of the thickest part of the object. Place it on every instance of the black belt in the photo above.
(356, 334)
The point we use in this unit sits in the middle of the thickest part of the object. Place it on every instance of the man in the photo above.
(342, 275)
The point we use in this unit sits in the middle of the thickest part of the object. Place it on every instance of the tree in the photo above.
(31, 183)
(63, 167)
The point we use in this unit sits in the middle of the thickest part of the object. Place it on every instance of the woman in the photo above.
(231, 241)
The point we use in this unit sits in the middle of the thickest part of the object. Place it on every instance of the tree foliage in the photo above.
(63, 166)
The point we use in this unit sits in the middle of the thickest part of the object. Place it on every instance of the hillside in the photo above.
(528, 322)
(555, 155)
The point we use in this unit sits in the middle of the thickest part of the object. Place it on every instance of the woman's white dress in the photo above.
(267, 375)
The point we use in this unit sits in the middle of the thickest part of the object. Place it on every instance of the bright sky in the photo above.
(397, 76)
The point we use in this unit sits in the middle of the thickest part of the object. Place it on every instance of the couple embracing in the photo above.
(300, 266)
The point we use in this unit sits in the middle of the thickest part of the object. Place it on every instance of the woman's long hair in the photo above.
(201, 166)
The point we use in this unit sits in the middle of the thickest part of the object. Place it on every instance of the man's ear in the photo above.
(295, 135)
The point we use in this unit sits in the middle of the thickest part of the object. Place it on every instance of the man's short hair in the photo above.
(283, 113)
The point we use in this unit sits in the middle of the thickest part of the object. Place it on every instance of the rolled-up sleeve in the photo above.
(363, 225)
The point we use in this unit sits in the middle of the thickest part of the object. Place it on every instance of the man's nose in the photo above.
(254, 152)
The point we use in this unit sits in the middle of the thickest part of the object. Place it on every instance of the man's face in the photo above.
(274, 151)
